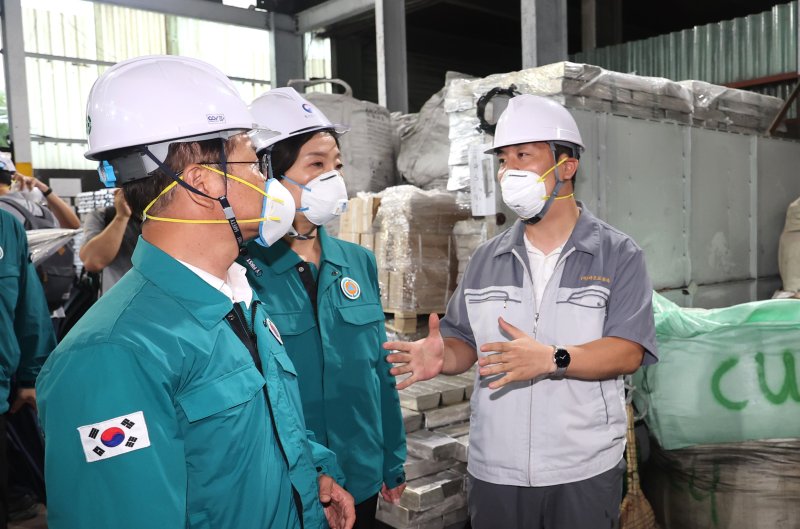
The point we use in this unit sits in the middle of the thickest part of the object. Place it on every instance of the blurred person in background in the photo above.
(109, 238)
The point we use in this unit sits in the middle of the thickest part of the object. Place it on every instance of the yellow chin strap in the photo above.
(210, 221)
(541, 179)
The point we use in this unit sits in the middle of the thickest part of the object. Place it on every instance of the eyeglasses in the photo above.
(255, 167)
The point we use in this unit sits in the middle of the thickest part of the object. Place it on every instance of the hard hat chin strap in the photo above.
(227, 209)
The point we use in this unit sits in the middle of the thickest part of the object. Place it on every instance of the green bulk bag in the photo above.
(725, 375)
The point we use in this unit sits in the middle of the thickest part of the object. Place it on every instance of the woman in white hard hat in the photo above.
(323, 295)
(172, 403)
(554, 310)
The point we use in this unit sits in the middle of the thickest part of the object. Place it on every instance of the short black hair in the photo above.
(140, 193)
(6, 177)
(285, 152)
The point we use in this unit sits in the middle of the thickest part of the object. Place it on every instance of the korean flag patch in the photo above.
(114, 437)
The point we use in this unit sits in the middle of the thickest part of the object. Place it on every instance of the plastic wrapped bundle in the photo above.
(579, 86)
(44, 243)
(414, 247)
(789, 249)
(719, 107)
(468, 235)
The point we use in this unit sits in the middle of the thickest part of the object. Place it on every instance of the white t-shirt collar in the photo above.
(234, 286)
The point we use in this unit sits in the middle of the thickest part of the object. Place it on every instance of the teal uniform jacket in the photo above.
(349, 397)
(26, 333)
(154, 360)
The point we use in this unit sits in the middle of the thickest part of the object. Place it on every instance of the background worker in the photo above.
(26, 334)
(172, 403)
(323, 295)
(554, 310)
(38, 198)
(110, 236)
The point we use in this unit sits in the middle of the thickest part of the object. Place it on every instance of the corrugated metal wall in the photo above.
(732, 50)
(742, 49)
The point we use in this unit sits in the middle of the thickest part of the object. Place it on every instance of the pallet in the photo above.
(407, 321)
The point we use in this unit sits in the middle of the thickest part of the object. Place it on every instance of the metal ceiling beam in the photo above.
(478, 8)
(201, 9)
(331, 12)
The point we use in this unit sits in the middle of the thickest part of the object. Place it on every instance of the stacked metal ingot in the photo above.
(436, 414)
(720, 107)
(89, 201)
(591, 88)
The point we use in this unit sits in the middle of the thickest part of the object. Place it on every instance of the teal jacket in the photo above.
(26, 333)
(349, 397)
(157, 349)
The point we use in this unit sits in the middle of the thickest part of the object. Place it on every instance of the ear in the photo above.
(568, 169)
(205, 181)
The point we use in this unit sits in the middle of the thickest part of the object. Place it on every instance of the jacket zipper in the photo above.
(537, 306)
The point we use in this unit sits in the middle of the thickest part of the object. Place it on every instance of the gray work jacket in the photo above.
(548, 432)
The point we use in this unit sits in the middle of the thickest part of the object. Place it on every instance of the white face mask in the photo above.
(278, 208)
(323, 198)
(525, 192)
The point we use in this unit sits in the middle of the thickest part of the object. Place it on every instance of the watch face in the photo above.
(562, 358)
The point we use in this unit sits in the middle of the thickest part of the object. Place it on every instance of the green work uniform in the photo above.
(216, 444)
(349, 397)
(26, 333)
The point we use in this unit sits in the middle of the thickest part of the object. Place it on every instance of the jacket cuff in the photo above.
(394, 479)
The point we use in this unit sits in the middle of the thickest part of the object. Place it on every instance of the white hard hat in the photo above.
(284, 110)
(161, 99)
(6, 164)
(529, 118)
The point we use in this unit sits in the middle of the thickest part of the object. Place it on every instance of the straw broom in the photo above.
(635, 511)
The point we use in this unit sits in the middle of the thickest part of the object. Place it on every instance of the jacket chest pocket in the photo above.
(360, 333)
(223, 396)
(582, 312)
(486, 305)
(293, 323)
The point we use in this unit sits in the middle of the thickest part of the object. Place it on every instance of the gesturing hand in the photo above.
(522, 358)
(423, 359)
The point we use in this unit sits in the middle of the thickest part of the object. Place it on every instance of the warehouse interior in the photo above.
(688, 114)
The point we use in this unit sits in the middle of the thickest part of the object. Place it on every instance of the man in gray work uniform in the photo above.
(555, 310)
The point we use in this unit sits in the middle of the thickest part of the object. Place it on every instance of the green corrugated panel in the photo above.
(733, 50)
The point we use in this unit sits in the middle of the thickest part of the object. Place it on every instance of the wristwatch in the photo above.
(47, 191)
(561, 359)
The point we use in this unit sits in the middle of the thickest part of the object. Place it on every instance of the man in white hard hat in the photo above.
(173, 403)
(554, 310)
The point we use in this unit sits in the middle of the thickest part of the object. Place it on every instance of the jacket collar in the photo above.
(281, 258)
(585, 236)
(205, 303)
